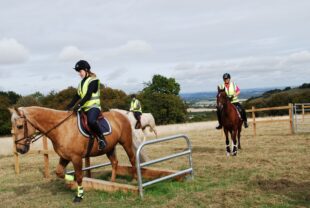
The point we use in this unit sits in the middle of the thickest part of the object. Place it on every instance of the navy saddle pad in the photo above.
(104, 125)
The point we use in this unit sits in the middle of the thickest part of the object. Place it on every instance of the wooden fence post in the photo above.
(303, 112)
(291, 117)
(253, 120)
(15, 153)
(46, 160)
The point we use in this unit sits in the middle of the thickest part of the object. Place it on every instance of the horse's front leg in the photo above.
(227, 143)
(233, 136)
(60, 169)
(78, 165)
(112, 157)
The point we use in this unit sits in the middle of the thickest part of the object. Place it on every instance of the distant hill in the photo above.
(245, 94)
(280, 97)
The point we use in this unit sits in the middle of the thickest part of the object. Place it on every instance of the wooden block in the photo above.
(96, 184)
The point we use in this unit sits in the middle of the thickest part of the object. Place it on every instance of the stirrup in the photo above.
(101, 144)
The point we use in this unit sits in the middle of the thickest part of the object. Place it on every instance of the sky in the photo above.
(262, 43)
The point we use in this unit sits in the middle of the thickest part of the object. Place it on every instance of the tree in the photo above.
(161, 84)
(113, 98)
(161, 98)
(5, 124)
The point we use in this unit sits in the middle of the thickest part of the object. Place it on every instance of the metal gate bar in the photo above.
(181, 172)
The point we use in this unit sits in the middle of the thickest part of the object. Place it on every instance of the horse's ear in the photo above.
(12, 110)
(19, 112)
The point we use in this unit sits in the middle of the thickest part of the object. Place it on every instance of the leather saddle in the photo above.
(104, 125)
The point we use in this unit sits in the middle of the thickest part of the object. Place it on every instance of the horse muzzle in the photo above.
(23, 149)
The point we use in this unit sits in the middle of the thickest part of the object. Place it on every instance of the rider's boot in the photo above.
(101, 142)
(244, 118)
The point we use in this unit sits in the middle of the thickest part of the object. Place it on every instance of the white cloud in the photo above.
(12, 52)
(132, 47)
(302, 56)
(71, 53)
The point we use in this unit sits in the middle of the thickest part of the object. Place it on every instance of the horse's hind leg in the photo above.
(112, 157)
(227, 143)
(239, 135)
(131, 155)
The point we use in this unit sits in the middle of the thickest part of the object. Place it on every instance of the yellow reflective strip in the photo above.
(69, 177)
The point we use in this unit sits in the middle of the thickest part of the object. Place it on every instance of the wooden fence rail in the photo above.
(289, 120)
(45, 151)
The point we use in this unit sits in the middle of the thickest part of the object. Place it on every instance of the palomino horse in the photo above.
(147, 120)
(61, 128)
(231, 121)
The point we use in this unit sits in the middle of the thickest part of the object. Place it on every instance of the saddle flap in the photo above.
(103, 124)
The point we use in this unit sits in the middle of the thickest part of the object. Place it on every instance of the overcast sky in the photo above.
(261, 43)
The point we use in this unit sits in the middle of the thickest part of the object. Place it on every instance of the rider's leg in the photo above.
(218, 113)
(138, 118)
(243, 115)
(92, 116)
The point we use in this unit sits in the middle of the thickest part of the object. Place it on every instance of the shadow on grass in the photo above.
(298, 193)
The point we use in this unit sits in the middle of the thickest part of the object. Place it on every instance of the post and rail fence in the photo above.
(294, 121)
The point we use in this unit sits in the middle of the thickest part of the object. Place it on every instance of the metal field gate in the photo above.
(301, 117)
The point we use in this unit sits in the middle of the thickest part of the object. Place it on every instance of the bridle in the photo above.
(37, 135)
(220, 105)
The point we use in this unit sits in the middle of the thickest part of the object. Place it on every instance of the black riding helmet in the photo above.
(226, 76)
(81, 64)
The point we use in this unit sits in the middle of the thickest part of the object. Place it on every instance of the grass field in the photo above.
(272, 170)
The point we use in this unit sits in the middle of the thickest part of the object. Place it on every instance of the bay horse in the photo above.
(231, 121)
(71, 146)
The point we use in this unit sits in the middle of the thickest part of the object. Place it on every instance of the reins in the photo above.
(33, 138)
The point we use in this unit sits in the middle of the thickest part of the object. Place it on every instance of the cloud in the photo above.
(132, 47)
(71, 53)
(12, 52)
(115, 74)
(275, 70)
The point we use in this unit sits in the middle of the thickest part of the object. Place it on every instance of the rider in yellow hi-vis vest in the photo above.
(232, 91)
(135, 107)
(88, 93)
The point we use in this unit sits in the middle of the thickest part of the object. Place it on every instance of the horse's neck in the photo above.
(43, 118)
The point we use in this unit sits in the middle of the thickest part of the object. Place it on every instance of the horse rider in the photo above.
(88, 95)
(232, 91)
(135, 107)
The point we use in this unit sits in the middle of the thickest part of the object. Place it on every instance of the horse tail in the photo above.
(153, 129)
(136, 143)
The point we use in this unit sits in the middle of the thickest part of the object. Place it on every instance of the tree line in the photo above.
(160, 96)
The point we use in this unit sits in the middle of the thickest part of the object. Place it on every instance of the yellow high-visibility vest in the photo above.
(135, 106)
(231, 91)
(94, 101)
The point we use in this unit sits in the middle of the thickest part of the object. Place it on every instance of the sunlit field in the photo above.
(271, 170)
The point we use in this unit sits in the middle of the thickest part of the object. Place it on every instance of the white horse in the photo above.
(147, 120)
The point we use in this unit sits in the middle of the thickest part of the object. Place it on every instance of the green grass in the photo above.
(272, 170)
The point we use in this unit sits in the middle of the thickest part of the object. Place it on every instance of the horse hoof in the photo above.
(234, 154)
(227, 154)
(77, 199)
